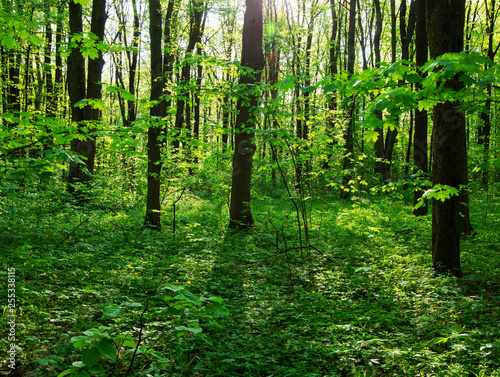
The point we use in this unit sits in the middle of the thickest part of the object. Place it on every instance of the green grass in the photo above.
(363, 302)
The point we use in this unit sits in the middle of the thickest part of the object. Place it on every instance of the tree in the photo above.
(76, 91)
(349, 131)
(252, 63)
(157, 112)
(85, 116)
(420, 138)
(445, 31)
(94, 78)
(484, 131)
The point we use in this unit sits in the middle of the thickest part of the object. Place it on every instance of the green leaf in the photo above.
(371, 136)
(287, 84)
(218, 309)
(90, 356)
(82, 373)
(81, 104)
(112, 311)
(308, 89)
(330, 88)
(188, 296)
(98, 368)
(68, 371)
(107, 349)
(194, 330)
(79, 341)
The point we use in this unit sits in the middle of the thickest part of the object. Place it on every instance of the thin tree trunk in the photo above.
(349, 131)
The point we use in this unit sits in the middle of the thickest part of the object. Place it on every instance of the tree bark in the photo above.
(349, 131)
(445, 31)
(76, 91)
(94, 78)
(251, 57)
(157, 113)
(420, 160)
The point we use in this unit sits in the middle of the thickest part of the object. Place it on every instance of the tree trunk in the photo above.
(333, 70)
(484, 131)
(420, 160)
(76, 91)
(157, 113)
(94, 78)
(196, 16)
(445, 31)
(349, 131)
(58, 78)
(252, 58)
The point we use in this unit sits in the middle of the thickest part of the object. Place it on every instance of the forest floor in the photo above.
(362, 300)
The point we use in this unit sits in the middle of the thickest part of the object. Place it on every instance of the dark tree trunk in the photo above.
(50, 103)
(58, 78)
(273, 60)
(420, 160)
(484, 131)
(349, 131)
(196, 16)
(94, 78)
(332, 70)
(445, 31)
(379, 144)
(76, 91)
(157, 113)
(131, 106)
(253, 58)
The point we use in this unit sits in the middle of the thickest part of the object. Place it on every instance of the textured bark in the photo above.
(445, 31)
(251, 57)
(94, 78)
(157, 112)
(420, 150)
(76, 91)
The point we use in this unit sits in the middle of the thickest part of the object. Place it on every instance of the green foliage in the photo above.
(109, 343)
(363, 302)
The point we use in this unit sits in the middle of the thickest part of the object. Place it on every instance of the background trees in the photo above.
(342, 80)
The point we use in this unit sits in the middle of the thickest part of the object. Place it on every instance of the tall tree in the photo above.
(252, 62)
(484, 132)
(76, 90)
(157, 113)
(349, 131)
(420, 160)
(445, 31)
(90, 114)
(94, 78)
(196, 12)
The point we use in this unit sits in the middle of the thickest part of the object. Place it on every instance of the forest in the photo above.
(250, 188)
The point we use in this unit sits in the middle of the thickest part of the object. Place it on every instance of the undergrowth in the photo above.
(99, 294)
